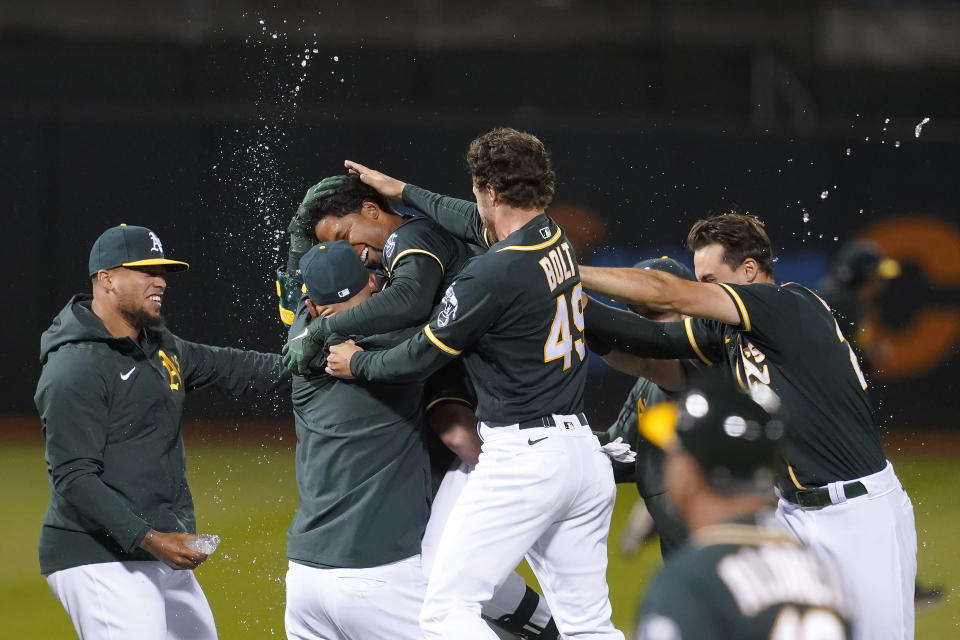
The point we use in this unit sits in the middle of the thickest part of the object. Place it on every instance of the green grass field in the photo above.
(247, 495)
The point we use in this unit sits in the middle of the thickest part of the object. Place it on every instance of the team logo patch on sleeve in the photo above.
(390, 246)
(450, 306)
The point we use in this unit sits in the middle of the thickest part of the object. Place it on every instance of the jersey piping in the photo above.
(408, 252)
(437, 342)
(744, 316)
(534, 247)
(688, 327)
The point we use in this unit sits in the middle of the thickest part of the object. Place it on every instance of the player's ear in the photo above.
(750, 269)
(370, 209)
(372, 285)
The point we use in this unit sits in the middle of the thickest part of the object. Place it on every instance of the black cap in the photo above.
(860, 260)
(129, 246)
(736, 441)
(668, 265)
(332, 272)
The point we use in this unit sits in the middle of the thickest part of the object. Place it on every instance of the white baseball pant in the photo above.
(546, 492)
(872, 539)
(507, 596)
(145, 600)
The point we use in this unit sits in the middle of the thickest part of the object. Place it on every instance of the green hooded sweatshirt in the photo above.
(111, 409)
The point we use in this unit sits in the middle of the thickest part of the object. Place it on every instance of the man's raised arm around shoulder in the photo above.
(661, 291)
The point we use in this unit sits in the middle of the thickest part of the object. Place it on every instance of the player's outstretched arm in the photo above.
(661, 291)
(666, 374)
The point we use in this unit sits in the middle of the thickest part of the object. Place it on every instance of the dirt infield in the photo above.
(234, 430)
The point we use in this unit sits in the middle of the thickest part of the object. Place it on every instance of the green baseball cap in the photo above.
(735, 440)
(129, 246)
(332, 272)
(667, 265)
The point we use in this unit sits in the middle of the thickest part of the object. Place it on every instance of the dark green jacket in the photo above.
(110, 409)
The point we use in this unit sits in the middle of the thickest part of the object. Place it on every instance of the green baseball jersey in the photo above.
(516, 315)
(420, 260)
(363, 473)
(786, 340)
(111, 409)
(744, 581)
(647, 472)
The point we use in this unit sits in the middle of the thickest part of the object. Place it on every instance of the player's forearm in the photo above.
(630, 333)
(86, 492)
(235, 372)
(633, 286)
(666, 374)
(408, 301)
(414, 359)
(460, 217)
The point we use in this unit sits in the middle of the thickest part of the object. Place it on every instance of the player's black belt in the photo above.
(820, 497)
(548, 421)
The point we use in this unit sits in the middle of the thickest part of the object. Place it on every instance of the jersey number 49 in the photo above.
(562, 341)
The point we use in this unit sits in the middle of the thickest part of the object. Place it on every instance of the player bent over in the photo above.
(542, 487)
(742, 575)
(114, 540)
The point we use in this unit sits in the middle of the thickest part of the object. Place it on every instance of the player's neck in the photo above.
(115, 322)
(508, 219)
(707, 510)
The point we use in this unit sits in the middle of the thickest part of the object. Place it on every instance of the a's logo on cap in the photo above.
(545, 233)
(343, 293)
(156, 243)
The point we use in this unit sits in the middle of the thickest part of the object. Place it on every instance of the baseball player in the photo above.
(742, 576)
(647, 470)
(363, 476)
(419, 258)
(113, 545)
(542, 486)
(838, 493)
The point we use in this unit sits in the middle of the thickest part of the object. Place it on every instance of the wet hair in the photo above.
(346, 199)
(741, 237)
(516, 165)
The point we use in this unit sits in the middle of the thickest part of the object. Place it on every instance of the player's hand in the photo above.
(326, 187)
(302, 237)
(172, 549)
(619, 451)
(302, 349)
(338, 362)
(381, 182)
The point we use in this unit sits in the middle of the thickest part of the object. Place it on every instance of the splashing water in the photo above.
(919, 128)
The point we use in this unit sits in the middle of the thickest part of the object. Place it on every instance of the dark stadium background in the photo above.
(208, 120)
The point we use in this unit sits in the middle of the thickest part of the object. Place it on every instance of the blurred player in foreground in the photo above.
(114, 542)
(742, 576)
(838, 492)
(542, 486)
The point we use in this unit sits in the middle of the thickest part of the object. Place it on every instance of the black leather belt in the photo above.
(820, 497)
(545, 421)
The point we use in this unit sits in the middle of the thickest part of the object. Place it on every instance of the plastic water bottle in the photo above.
(204, 543)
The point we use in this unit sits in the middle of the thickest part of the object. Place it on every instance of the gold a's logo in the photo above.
(172, 365)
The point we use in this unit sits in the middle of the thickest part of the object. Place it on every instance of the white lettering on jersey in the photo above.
(760, 577)
(752, 358)
(558, 265)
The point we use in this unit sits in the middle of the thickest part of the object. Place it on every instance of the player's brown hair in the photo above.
(516, 165)
(741, 237)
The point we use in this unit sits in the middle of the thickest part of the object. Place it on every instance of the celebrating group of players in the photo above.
(439, 366)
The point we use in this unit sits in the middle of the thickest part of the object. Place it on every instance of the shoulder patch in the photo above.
(391, 245)
(450, 307)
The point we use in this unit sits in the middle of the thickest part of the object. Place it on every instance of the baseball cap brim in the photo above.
(171, 265)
